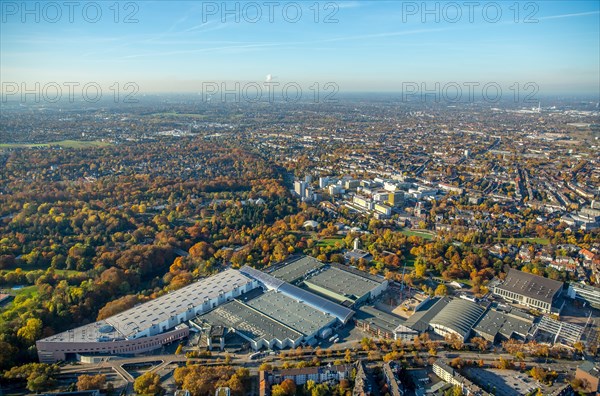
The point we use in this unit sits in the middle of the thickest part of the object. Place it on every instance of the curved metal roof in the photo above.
(459, 315)
(268, 281)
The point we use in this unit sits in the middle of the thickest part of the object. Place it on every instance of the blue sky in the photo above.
(373, 46)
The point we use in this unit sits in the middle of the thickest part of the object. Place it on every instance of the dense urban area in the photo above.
(364, 246)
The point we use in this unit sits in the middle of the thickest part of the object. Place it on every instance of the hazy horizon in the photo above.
(360, 46)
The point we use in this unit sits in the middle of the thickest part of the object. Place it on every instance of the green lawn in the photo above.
(330, 241)
(28, 291)
(63, 272)
(422, 234)
(68, 272)
(63, 143)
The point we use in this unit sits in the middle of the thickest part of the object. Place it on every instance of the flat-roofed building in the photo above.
(293, 313)
(585, 293)
(496, 325)
(396, 198)
(382, 324)
(269, 282)
(363, 202)
(383, 209)
(296, 269)
(301, 376)
(147, 326)
(529, 290)
(341, 285)
(451, 376)
(260, 330)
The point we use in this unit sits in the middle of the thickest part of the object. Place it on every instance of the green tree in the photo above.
(39, 376)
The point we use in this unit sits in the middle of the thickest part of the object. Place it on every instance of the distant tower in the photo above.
(356, 243)
(539, 109)
(323, 182)
(418, 209)
(300, 188)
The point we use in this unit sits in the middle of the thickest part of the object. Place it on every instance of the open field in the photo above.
(28, 291)
(62, 143)
(423, 234)
(63, 272)
(330, 241)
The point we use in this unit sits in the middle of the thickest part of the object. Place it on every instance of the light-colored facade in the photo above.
(148, 326)
(301, 376)
(383, 209)
(529, 290)
(363, 202)
(49, 351)
(449, 375)
(588, 294)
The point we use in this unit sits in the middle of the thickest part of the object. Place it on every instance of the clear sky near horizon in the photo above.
(369, 45)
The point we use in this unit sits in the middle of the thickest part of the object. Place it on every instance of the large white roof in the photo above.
(162, 308)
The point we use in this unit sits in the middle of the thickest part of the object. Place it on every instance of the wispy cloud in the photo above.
(201, 50)
(245, 46)
(350, 4)
(383, 35)
(578, 14)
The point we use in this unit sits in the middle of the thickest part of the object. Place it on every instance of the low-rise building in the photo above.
(382, 324)
(585, 293)
(451, 376)
(301, 376)
(498, 325)
(530, 290)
